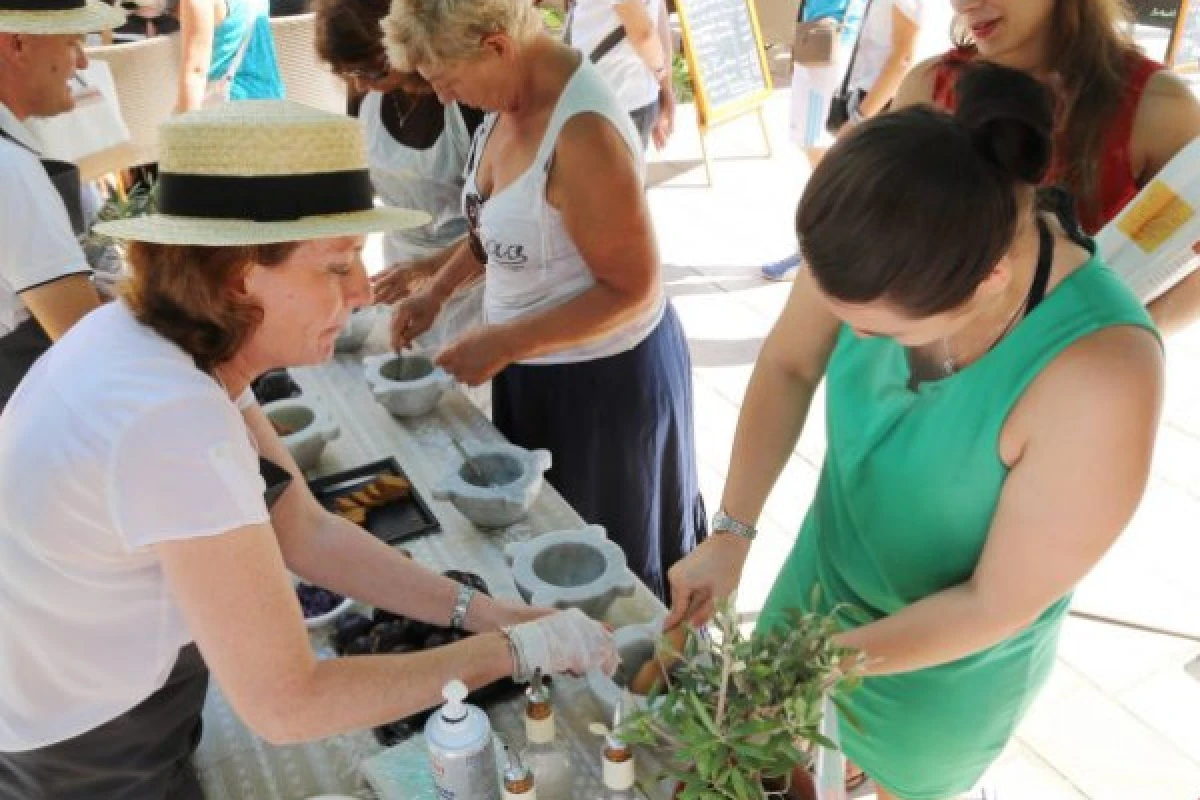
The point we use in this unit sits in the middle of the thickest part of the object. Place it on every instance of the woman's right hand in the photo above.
(412, 316)
(400, 281)
(568, 641)
(710, 573)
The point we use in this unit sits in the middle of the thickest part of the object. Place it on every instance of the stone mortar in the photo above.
(406, 385)
(513, 478)
(313, 428)
(571, 569)
(635, 644)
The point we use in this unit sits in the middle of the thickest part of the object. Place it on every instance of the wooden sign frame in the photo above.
(708, 115)
(1177, 33)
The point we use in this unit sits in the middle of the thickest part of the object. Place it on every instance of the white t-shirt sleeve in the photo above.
(913, 9)
(247, 400)
(651, 6)
(37, 245)
(185, 469)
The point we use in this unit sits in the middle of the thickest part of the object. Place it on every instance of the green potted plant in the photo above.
(553, 17)
(105, 255)
(742, 712)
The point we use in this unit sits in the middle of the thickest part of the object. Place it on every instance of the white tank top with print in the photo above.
(532, 264)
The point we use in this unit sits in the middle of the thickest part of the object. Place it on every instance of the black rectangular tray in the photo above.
(273, 385)
(393, 523)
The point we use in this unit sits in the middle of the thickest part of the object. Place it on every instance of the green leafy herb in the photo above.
(744, 708)
(141, 200)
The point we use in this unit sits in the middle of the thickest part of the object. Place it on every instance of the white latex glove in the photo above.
(568, 641)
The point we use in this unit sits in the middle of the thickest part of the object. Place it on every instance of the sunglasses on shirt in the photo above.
(473, 205)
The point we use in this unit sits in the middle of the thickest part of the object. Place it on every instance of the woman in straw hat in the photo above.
(588, 357)
(45, 282)
(136, 543)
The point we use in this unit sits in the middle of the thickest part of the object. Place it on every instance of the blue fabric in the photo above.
(820, 9)
(852, 21)
(849, 12)
(258, 76)
(783, 270)
(621, 433)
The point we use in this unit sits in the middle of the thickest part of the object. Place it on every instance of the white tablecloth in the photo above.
(234, 764)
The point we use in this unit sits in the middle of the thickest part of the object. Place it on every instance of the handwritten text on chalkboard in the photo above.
(725, 49)
(1156, 13)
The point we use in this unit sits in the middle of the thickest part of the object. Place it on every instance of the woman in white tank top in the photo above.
(588, 357)
(416, 148)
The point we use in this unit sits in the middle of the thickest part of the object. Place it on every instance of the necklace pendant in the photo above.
(949, 365)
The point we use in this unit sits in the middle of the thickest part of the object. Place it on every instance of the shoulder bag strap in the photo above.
(240, 55)
(862, 26)
(604, 46)
(607, 44)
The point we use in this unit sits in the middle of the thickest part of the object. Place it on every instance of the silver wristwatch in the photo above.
(722, 522)
(463, 602)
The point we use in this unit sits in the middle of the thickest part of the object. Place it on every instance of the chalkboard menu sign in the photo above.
(1157, 25)
(725, 53)
(1156, 13)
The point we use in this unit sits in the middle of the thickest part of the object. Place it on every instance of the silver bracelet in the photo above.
(519, 672)
(459, 617)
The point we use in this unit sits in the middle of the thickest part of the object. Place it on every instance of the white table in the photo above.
(234, 764)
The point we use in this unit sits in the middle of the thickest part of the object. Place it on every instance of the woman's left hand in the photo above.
(478, 355)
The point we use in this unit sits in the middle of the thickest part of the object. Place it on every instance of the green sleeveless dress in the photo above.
(907, 492)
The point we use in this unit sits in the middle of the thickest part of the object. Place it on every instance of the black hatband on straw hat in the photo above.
(42, 5)
(265, 198)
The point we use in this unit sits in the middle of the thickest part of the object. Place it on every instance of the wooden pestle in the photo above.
(655, 669)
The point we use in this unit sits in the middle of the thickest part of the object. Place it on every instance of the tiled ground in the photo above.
(1121, 717)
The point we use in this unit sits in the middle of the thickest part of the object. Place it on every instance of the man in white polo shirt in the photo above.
(45, 282)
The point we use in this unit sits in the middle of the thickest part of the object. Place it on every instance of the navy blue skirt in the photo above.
(621, 432)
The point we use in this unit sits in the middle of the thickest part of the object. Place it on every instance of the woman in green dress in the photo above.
(992, 393)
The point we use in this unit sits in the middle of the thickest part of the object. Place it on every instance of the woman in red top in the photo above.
(1123, 116)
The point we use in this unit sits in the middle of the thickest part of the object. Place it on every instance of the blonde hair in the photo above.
(423, 32)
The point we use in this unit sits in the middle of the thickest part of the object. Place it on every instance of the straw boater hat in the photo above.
(259, 172)
(48, 17)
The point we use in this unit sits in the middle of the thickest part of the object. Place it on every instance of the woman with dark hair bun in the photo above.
(992, 395)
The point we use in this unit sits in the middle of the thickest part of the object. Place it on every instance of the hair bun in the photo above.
(1010, 116)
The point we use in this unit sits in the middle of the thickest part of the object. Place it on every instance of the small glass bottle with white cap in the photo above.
(518, 778)
(544, 753)
(619, 768)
